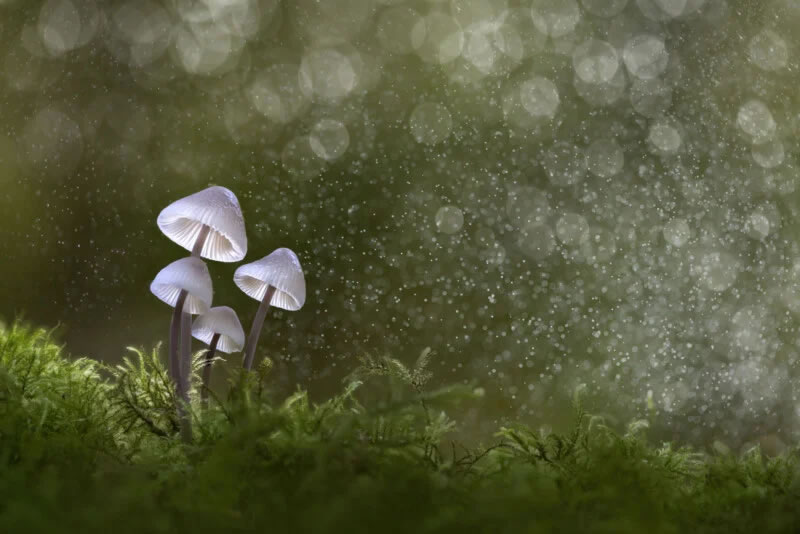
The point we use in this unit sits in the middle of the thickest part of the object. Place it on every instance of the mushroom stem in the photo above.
(212, 349)
(174, 336)
(201, 240)
(180, 357)
(185, 366)
(255, 330)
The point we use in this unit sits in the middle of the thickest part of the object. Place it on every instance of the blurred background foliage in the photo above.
(545, 193)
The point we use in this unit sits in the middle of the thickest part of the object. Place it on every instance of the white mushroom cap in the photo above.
(282, 270)
(221, 320)
(216, 207)
(190, 274)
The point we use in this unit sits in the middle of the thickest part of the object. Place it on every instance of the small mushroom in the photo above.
(210, 224)
(275, 280)
(220, 329)
(217, 208)
(186, 285)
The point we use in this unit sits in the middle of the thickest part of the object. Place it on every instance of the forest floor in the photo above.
(86, 447)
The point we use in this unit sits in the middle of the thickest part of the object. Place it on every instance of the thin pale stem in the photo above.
(175, 337)
(201, 240)
(184, 382)
(255, 330)
(212, 349)
(181, 350)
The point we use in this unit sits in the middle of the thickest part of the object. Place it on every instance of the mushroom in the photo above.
(186, 285)
(220, 329)
(275, 280)
(217, 208)
(210, 224)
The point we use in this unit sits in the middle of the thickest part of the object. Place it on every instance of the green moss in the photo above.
(88, 448)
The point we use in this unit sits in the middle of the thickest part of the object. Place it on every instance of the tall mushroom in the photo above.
(220, 329)
(210, 224)
(275, 280)
(186, 285)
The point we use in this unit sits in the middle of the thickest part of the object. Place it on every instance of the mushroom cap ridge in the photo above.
(220, 320)
(189, 274)
(216, 207)
(282, 270)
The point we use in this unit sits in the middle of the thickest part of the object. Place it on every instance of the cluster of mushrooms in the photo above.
(210, 225)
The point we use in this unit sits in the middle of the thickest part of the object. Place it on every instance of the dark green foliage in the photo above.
(85, 448)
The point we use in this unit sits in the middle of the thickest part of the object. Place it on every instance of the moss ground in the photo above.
(89, 448)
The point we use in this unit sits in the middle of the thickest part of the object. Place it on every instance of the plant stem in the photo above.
(255, 330)
(212, 349)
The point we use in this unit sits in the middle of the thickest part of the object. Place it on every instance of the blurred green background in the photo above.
(549, 194)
